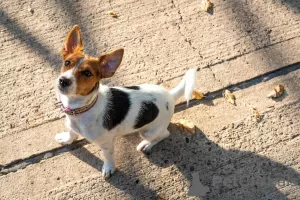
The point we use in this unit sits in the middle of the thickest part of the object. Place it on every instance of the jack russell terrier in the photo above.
(100, 113)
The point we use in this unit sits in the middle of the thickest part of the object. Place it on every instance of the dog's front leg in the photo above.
(108, 154)
(66, 137)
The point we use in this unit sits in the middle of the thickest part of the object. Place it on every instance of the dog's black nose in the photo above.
(64, 82)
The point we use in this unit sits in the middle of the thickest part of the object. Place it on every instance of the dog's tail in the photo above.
(185, 86)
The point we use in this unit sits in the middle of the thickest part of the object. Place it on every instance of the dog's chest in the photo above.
(75, 126)
(88, 128)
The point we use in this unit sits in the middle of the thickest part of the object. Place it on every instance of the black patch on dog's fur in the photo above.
(147, 114)
(133, 87)
(117, 108)
(167, 105)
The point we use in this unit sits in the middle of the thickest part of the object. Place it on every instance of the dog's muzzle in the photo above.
(64, 82)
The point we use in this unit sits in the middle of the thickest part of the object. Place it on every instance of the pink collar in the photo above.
(80, 110)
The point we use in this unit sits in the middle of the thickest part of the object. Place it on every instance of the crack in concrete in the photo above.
(179, 27)
(257, 49)
(214, 76)
(242, 85)
(237, 56)
(36, 158)
(189, 41)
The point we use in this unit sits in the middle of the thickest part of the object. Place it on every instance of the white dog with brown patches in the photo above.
(100, 113)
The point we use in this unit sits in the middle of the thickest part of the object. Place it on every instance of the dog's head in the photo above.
(80, 73)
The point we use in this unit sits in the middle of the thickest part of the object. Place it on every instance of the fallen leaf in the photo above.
(30, 10)
(276, 92)
(198, 95)
(229, 96)
(206, 5)
(160, 198)
(189, 126)
(256, 115)
(113, 14)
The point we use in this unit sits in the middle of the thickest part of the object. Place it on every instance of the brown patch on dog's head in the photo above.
(92, 70)
(88, 74)
(71, 61)
(72, 51)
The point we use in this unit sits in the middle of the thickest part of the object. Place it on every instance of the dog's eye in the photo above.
(67, 63)
(87, 73)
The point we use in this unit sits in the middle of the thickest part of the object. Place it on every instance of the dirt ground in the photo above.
(245, 46)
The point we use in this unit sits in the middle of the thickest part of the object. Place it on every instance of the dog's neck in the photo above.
(77, 101)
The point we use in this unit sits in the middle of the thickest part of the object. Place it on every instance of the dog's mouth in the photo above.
(63, 90)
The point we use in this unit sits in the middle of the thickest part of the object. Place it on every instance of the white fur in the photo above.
(185, 86)
(89, 124)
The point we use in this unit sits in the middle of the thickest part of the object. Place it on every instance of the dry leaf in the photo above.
(189, 126)
(198, 95)
(160, 198)
(229, 96)
(206, 5)
(276, 92)
(113, 14)
(256, 115)
(29, 9)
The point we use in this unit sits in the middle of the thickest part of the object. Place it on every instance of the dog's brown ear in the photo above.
(73, 42)
(110, 62)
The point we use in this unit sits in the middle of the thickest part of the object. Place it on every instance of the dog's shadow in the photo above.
(120, 180)
(223, 174)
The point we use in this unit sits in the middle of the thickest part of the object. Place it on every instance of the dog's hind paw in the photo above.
(145, 146)
(108, 170)
(65, 138)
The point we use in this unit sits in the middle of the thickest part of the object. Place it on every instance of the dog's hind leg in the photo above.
(151, 138)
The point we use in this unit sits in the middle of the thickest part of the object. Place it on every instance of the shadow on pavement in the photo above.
(75, 17)
(292, 4)
(220, 173)
(38, 46)
(228, 174)
(29, 39)
(119, 180)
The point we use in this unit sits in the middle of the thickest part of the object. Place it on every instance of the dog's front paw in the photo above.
(65, 138)
(108, 170)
